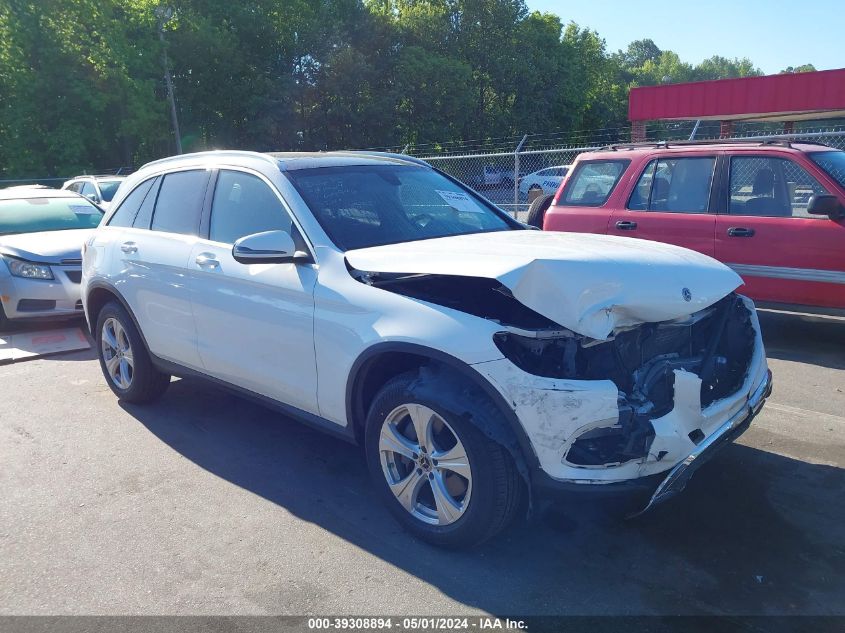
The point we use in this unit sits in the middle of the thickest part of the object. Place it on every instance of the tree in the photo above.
(639, 52)
(718, 67)
(81, 80)
(73, 92)
(803, 68)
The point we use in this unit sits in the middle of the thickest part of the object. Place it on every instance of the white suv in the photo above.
(98, 189)
(477, 361)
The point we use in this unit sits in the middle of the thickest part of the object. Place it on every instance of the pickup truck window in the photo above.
(592, 182)
(771, 187)
(679, 185)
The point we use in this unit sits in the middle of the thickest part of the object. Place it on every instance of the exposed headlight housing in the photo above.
(28, 270)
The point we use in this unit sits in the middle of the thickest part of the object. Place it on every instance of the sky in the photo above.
(773, 34)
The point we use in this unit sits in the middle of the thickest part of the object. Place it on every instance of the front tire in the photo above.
(440, 476)
(124, 359)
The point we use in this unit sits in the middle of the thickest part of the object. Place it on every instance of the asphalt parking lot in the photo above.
(208, 504)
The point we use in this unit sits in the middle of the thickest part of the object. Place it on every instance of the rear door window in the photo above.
(677, 185)
(593, 182)
(771, 187)
(179, 203)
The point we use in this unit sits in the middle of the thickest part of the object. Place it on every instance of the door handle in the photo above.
(625, 225)
(207, 260)
(738, 231)
(129, 247)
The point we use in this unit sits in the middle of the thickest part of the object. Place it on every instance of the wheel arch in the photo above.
(98, 295)
(381, 362)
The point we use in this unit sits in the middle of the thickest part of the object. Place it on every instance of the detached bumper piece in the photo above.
(678, 477)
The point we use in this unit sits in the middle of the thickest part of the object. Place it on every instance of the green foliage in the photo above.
(81, 81)
(803, 68)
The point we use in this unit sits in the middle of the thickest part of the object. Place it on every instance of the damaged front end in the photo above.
(715, 344)
(643, 401)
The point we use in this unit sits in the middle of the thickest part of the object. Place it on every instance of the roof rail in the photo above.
(96, 176)
(214, 152)
(397, 156)
(785, 141)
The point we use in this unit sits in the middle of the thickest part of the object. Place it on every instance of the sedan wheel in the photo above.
(117, 353)
(425, 464)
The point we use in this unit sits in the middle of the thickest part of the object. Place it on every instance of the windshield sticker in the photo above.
(460, 201)
(80, 209)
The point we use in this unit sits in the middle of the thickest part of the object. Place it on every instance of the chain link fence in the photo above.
(56, 182)
(536, 165)
(512, 171)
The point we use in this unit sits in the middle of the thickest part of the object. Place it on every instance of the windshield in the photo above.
(29, 215)
(833, 163)
(108, 188)
(372, 205)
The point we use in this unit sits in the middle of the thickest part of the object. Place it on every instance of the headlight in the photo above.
(28, 270)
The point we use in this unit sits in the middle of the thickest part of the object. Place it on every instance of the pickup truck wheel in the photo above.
(440, 476)
(537, 210)
(124, 358)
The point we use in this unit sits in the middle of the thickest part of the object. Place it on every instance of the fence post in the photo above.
(694, 130)
(516, 175)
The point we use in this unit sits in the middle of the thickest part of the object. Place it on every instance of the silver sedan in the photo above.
(41, 236)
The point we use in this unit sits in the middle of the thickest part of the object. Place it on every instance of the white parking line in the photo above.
(22, 345)
(827, 417)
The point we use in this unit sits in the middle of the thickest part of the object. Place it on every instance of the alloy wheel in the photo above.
(425, 464)
(117, 353)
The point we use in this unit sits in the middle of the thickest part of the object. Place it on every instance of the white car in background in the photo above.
(378, 300)
(544, 181)
(98, 189)
(41, 235)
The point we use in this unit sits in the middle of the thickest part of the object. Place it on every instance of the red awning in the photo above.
(795, 96)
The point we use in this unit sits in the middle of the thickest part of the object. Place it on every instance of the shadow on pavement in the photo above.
(754, 533)
(804, 338)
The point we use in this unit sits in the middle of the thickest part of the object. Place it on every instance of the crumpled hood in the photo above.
(590, 284)
(48, 247)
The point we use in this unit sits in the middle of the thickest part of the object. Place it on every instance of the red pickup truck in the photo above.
(773, 211)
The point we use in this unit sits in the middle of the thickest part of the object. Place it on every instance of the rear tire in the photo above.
(124, 358)
(456, 504)
(537, 210)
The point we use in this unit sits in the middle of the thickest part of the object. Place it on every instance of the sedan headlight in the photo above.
(28, 270)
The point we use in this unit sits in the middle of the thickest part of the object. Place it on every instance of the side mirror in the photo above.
(826, 205)
(269, 247)
(92, 197)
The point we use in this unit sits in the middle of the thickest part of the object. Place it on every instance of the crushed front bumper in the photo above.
(678, 477)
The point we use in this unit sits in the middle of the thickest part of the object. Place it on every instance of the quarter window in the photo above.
(592, 182)
(771, 187)
(677, 185)
(244, 204)
(179, 203)
(145, 213)
(128, 209)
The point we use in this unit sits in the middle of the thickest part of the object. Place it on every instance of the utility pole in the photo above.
(164, 14)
